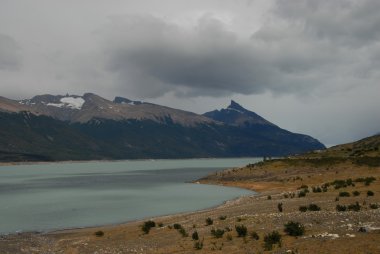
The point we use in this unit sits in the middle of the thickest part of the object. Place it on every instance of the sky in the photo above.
(309, 66)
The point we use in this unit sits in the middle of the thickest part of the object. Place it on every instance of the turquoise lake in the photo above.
(45, 197)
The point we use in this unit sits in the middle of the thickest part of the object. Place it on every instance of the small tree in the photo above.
(294, 228)
(370, 193)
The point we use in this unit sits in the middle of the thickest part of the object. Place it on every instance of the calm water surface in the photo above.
(66, 195)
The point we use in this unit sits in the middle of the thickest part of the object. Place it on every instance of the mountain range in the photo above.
(72, 127)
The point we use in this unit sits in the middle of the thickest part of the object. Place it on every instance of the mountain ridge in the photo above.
(72, 127)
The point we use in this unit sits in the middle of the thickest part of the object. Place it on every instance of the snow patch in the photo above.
(69, 102)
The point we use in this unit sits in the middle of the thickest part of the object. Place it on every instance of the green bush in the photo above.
(222, 217)
(294, 228)
(272, 239)
(374, 206)
(241, 230)
(99, 233)
(313, 207)
(302, 208)
(209, 221)
(317, 189)
(217, 233)
(195, 236)
(356, 193)
(147, 226)
(269, 197)
(354, 207)
(344, 194)
(370, 193)
(302, 194)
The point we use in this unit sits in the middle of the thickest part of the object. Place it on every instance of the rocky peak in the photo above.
(235, 114)
(236, 106)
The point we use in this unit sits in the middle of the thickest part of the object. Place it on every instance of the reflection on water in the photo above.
(65, 195)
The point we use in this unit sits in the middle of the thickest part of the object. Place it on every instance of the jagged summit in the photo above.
(236, 106)
(235, 114)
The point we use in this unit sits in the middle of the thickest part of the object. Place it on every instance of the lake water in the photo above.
(66, 195)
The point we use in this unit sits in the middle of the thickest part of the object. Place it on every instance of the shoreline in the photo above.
(16, 163)
(326, 230)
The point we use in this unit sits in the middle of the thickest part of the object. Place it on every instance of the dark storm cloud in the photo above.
(9, 53)
(305, 46)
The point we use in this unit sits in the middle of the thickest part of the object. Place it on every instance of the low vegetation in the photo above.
(147, 226)
(241, 230)
(272, 239)
(294, 228)
(218, 233)
(99, 233)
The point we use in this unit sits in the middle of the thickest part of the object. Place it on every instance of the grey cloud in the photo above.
(306, 46)
(10, 58)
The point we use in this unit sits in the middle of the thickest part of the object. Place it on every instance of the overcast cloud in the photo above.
(308, 66)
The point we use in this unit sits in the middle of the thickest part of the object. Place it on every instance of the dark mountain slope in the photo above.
(90, 127)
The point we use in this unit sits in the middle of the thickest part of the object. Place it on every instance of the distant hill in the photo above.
(367, 147)
(72, 127)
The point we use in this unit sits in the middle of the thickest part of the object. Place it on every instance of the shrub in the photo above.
(183, 232)
(269, 197)
(147, 226)
(241, 230)
(354, 207)
(313, 207)
(301, 194)
(272, 239)
(279, 206)
(254, 235)
(344, 194)
(294, 228)
(317, 189)
(99, 233)
(177, 226)
(160, 224)
(222, 217)
(341, 208)
(356, 193)
(217, 233)
(302, 208)
(198, 245)
(370, 193)
(195, 236)
(373, 206)
(209, 221)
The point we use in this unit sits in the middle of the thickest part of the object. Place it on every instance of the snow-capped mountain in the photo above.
(73, 127)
